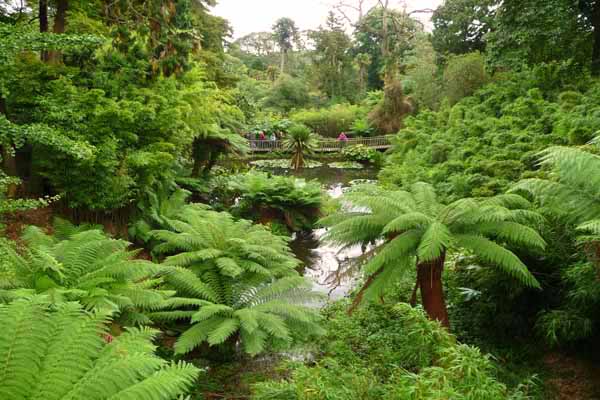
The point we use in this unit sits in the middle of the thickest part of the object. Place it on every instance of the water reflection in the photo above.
(322, 261)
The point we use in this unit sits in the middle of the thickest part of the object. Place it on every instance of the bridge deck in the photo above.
(326, 145)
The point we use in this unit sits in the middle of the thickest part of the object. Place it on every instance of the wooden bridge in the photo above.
(324, 145)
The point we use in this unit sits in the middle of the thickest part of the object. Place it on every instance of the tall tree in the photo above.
(164, 28)
(331, 58)
(537, 31)
(43, 22)
(386, 35)
(460, 26)
(286, 34)
(591, 11)
(60, 23)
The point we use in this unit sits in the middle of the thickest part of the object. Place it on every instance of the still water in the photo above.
(322, 261)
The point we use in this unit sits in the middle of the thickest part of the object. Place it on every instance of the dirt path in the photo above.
(572, 378)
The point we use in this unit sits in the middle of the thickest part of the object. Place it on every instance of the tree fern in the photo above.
(288, 200)
(60, 352)
(411, 228)
(243, 277)
(85, 266)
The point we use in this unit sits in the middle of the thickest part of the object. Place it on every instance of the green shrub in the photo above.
(287, 93)
(362, 154)
(490, 139)
(362, 127)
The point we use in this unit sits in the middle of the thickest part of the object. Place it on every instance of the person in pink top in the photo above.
(343, 137)
(262, 136)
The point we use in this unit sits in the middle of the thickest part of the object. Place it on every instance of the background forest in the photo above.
(147, 252)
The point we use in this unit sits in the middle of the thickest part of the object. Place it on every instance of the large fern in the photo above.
(412, 228)
(573, 190)
(82, 264)
(154, 211)
(242, 278)
(61, 352)
(288, 200)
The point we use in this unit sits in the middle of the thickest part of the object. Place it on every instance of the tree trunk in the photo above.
(283, 60)
(429, 276)
(596, 53)
(9, 163)
(60, 22)
(43, 20)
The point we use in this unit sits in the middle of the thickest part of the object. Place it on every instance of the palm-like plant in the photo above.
(300, 141)
(61, 352)
(573, 190)
(82, 265)
(411, 228)
(240, 275)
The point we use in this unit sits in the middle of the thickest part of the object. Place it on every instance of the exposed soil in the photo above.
(572, 378)
(15, 223)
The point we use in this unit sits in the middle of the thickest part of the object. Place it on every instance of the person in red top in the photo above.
(261, 136)
(343, 137)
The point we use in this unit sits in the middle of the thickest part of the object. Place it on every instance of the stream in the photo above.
(321, 261)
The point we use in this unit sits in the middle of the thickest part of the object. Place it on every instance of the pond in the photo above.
(323, 261)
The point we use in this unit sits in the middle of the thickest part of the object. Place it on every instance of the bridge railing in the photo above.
(324, 145)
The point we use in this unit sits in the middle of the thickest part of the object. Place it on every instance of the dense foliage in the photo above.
(133, 117)
(487, 141)
(391, 352)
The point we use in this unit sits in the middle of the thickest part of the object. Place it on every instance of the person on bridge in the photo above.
(343, 137)
(273, 137)
(261, 136)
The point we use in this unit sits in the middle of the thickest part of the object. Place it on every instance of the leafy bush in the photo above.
(572, 196)
(363, 154)
(237, 280)
(82, 264)
(267, 198)
(62, 352)
(287, 93)
(390, 352)
(330, 122)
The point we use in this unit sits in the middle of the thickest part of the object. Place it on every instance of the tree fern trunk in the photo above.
(429, 276)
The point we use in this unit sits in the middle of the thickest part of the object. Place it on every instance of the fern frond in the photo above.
(61, 354)
(499, 256)
(407, 221)
(223, 332)
(434, 242)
